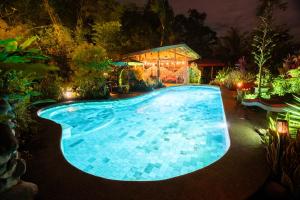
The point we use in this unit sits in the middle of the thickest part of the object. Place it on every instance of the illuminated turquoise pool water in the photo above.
(157, 136)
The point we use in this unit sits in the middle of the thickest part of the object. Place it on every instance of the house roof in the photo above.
(182, 49)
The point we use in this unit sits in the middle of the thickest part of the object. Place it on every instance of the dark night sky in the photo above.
(222, 14)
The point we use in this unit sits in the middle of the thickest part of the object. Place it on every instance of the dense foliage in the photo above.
(230, 78)
(195, 74)
(21, 69)
(284, 160)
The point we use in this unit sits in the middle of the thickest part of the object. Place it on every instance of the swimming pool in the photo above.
(157, 136)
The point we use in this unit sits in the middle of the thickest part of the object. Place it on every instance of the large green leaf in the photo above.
(6, 42)
(11, 47)
(33, 51)
(3, 56)
(38, 68)
(28, 42)
(16, 59)
(34, 93)
(36, 57)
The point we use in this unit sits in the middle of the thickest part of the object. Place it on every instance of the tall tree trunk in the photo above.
(162, 37)
(259, 81)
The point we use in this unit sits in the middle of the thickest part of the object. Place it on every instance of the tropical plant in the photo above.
(294, 73)
(263, 45)
(91, 87)
(20, 67)
(293, 116)
(90, 64)
(195, 74)
(49, 86)
(287, 84)
(15, 56)
(284, 159)
(221, 77)
(123, 81)
(280, 86)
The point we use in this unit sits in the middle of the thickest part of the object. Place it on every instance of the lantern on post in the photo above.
(282, 127)
(68, 93)
(240, 85)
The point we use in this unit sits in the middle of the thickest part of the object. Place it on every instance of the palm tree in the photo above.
(266, 7)
(160, 7)
(233, 45)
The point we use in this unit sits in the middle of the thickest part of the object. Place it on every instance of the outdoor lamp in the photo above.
(240, 84)
(69, 93)
(282, 127)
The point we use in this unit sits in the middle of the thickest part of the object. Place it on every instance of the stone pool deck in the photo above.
(239, 174)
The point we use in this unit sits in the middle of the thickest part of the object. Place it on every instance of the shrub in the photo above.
(154, 83)
(230, 78)
(136, 80)
(195, 74)
(50, 87)
(236, 76)
(294, 73)
(222, 76)
(89, 87)
(282, 85)
(90, 64)
(266, 78)
(91, 57)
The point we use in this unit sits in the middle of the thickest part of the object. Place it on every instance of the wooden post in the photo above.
(187, 72)
(175, 58)
(158, 68)
(212, 73)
